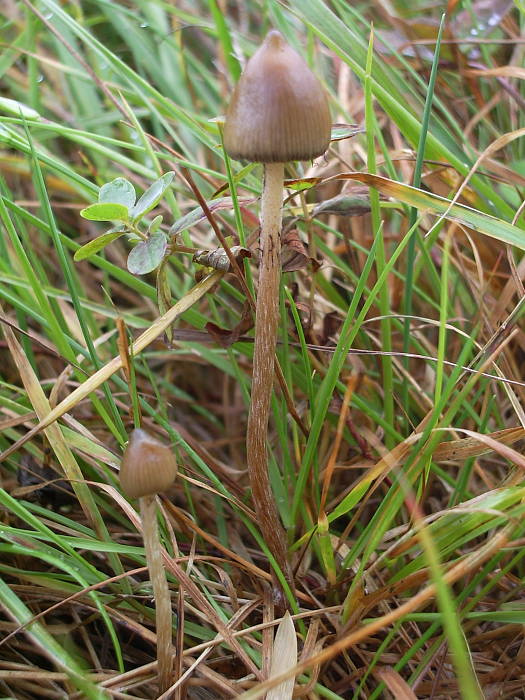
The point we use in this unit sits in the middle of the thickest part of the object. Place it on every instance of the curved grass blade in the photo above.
(441, 206)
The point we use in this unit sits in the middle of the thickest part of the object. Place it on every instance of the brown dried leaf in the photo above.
(225, 337)
(218, 258)
(294, 255)
(331, 323)
(460, 450)
(395, 684)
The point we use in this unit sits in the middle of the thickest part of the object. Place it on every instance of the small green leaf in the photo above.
(118, 191)
(147, 255)
(155, 224)
(326, 547)
(152, 195)
(105, 212)
(97, 244)
(303, 183)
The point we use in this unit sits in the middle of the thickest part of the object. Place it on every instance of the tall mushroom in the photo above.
(148, 468)
(278, 113)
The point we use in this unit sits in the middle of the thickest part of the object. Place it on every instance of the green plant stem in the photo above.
(266, 322)
(161, 593)
(411, 251)
(383, 300)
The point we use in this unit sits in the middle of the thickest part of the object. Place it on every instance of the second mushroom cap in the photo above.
(148, 466)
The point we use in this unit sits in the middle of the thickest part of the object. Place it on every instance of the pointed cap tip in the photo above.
(274, 39)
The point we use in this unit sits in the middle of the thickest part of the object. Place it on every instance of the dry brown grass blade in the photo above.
(507, 452)
(188, 654)
(197, 664)
(471, 563)
(53, 433)
(395, 684)
(330, 466)
(284, 657)
(104, 373)
(501, 72)
(474, 446)
(198, 597)
(179, 515)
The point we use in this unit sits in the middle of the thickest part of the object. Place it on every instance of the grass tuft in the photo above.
(396, 421)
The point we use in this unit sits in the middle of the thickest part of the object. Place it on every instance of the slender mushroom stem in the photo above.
(161, 593)
(266, 322)
(278, 113)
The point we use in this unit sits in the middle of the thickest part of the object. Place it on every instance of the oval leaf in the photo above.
(147, 255)
(155, 224)
(105, 212)
(97, 244)
(152, 195)
(118, 191)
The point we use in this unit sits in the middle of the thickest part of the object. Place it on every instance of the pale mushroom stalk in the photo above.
(266, 325)
(278, 113)
(161, 593)
(149, 467)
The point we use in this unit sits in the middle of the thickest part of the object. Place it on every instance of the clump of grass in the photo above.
(394, 436)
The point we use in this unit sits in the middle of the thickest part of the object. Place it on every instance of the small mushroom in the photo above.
(278, 113)
(149, 467)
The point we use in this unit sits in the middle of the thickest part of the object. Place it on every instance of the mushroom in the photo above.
(149, 467)
(278, 113)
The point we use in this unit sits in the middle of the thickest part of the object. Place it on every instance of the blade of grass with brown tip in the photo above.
(441, 206)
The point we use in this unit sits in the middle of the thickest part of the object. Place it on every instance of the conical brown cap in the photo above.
(279, 110)
(148, 466)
